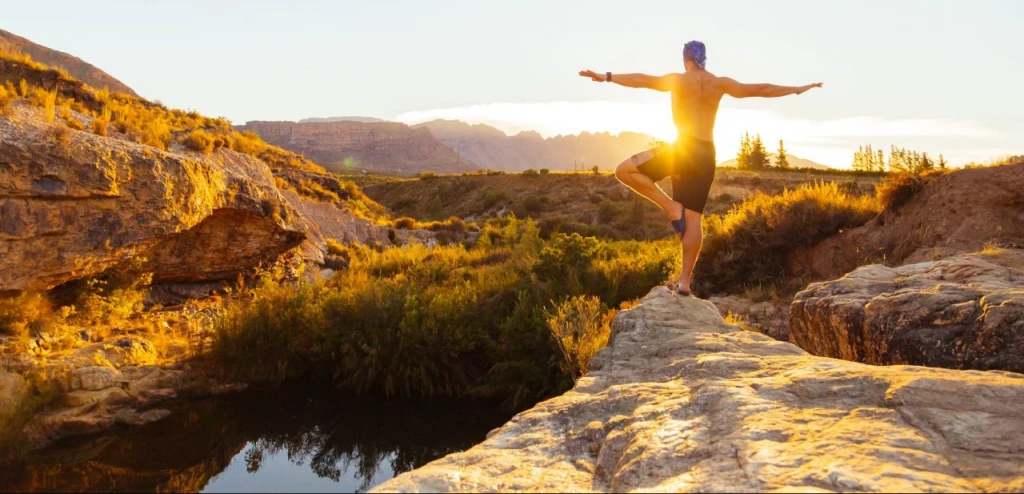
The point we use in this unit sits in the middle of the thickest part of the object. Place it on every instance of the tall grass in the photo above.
(436, 321)
(750, 245)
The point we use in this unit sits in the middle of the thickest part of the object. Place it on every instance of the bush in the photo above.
(750, 245)
(897, 189)
(493, 198)
(530, 172)
(25, 314)
(581, 326)
(607, 212)
(200, 140)
(426, 175)
(404, 223)
(99, 125)
(544, 171)
(7, 96)
(596, 170)
(535, 204)
(447, 320)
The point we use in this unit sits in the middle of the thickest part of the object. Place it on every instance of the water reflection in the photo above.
(257, 441)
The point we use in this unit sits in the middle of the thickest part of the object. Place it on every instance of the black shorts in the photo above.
(691, 164)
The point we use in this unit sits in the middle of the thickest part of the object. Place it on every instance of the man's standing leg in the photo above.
(691, 242)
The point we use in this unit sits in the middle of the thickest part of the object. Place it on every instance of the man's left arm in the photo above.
(655, 82)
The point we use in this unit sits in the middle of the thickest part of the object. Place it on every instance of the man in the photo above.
(690, 160)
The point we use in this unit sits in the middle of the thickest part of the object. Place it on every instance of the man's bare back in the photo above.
(691, 161)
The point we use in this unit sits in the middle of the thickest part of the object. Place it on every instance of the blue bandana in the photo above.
(696, 52)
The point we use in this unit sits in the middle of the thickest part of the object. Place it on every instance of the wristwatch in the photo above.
(608, 77)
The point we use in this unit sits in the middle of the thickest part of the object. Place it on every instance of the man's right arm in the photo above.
(740, 90)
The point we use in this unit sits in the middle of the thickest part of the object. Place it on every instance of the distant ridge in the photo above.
(794, 162)
(491, 148)
(342, 119)
(78, 68)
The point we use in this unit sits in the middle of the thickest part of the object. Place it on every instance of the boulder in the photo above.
(964, 312)
(682, 401)
(74, 207)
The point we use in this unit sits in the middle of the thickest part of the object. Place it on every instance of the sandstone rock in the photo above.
(125, 350)
(681, 401)
(75, 209)
(129, 416)
(109, 397)
(95, 378)
(347, 146)
(12, 391)
(963, 313)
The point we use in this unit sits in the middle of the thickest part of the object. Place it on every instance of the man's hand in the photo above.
(593, 75)
(809, 87)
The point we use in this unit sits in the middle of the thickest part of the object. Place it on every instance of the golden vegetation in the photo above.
(581, 326)
(750, 245)
(437, 321)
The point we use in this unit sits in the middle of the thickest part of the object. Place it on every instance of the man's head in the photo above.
(695, 55)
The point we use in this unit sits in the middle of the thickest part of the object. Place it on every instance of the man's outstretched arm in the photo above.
(655, 82)
(740, 90)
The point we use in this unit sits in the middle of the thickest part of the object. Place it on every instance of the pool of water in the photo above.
(260, 441)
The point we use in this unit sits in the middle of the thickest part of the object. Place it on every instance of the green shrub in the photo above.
(530, 172)
(607, 212)
(25, 314)
(447, 320)
(544, 171)
(535, 204)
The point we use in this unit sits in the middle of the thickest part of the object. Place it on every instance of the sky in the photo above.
(940, 76)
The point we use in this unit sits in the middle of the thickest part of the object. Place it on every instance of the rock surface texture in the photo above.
(964, 312)
(682, 401)
(75, 206)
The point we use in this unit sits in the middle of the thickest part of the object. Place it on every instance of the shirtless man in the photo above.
(690, 160)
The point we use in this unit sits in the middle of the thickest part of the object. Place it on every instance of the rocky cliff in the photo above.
(682, 401)
(350, 146)
(76, 205)
(492, 148)
(964, 312)
(75, 66)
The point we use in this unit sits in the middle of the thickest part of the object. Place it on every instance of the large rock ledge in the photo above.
(682, 401)
(964, 312)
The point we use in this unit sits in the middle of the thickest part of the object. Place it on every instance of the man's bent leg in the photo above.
(631, 177)
(691, 243)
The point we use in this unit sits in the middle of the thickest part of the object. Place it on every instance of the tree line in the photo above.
(753, 155)
(901, 160)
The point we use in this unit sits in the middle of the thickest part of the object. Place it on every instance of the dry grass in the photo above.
(750, 245)
(581, 326)
(7, 96)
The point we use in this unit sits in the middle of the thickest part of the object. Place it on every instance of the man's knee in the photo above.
(624, 170)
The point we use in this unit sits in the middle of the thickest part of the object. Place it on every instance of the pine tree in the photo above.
(743, 156)
(942, 162)
(781, 160)
(880, 162)
(758, 154)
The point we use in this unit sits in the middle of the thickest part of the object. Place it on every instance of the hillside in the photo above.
(492, 148)
(795, 162)
(354, 146)
(574, 202)
(75, 66)
(341, 119)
